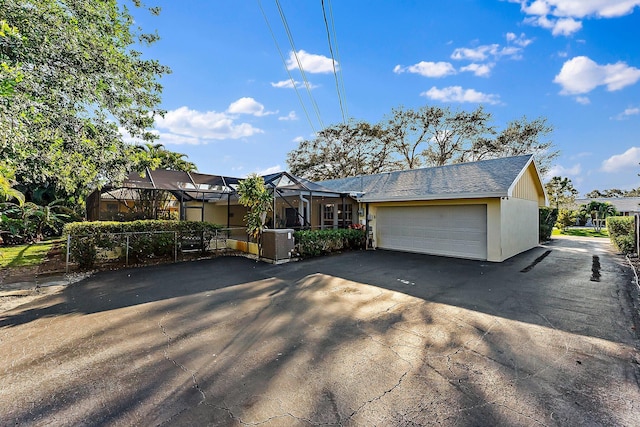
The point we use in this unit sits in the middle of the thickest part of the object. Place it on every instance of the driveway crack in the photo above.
(196, 385)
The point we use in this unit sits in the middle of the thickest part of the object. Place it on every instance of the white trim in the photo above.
(425, 197)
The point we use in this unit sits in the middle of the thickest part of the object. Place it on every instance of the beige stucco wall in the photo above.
(494, 250)
(216, 214)
(519, 219)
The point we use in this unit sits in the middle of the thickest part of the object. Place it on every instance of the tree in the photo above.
(70, 78)
(560, 191)
(7, 192)
(434, 136)
(255, 196)
(519, 137)
(342, 150)
(156, 156)
(566, 218)
(613, 192)
(598, 212)
(595, 194)
(408, 139)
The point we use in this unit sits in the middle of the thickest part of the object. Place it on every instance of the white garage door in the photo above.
(459, 231)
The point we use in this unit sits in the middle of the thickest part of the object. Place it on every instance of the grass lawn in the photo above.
(583, 232)
(24, 255)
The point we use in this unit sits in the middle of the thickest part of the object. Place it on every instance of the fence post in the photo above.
(66, 267)
(175, 246)
(126, 257)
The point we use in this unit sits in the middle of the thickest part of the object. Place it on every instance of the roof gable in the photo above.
(485, 178)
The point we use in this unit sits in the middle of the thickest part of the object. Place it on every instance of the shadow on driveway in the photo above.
(361, 338)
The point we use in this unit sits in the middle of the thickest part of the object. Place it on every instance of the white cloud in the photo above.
(248, 105)
(291, 116)
(427, 69)
(173, 139)
(311, 63)
(627, 113)
(270, 170)
(559, 170)
(482, 53)
(627, 160)
(480, 70)
(566, 27)
(563, 17)
(288, 84)
(458, 94)
(582, 75)
(187, 126)
(298, 139)
(520, 40)
(581, 154)
(583, 100)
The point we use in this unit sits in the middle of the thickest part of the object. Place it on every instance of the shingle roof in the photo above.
(485, 178)
(622, 204)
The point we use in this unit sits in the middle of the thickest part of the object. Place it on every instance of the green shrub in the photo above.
(88, 238)
(312, 243)
(548, 217)
(566, 218)
(621, 233)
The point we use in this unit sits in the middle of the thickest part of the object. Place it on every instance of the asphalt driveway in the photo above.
(362, 338)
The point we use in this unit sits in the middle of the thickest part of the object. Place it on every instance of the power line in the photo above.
(333, 59)
(335, 41)
(284, 61)
(295, 54)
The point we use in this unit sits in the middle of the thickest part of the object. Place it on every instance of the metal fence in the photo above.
(148, 247)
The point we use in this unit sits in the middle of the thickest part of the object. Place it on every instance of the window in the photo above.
(327, 214)
(112, 207)
(348, 213)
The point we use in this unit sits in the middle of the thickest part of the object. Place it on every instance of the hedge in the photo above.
(547, 219)
(621, 233)
(312, 243)
(88, 237)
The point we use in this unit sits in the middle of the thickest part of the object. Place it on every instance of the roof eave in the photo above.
(428, 197)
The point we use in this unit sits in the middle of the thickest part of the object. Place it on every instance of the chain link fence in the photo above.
(147, 247)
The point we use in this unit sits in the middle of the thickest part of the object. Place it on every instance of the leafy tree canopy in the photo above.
(613, 192)
(254, 195)
(408, 139)
(70, 77)
(155, 156)
(343, 150)
(560, 191)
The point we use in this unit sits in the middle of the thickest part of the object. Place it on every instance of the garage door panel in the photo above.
(459, 230)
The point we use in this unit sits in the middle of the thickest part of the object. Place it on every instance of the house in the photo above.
(485, 210)
(625, 206)
(166, 194)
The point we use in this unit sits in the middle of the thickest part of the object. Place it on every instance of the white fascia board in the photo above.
(425, 197)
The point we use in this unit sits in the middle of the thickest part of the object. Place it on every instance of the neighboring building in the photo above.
(485, 210)
(626, 206)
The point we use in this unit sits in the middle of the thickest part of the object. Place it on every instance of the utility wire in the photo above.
(284, 61)
(295, 54)
(333, 61)
(335, 42)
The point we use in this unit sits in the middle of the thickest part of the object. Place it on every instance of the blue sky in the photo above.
(232, 109)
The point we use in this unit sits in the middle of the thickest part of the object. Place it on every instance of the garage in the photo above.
(453, 230)
(483, 210)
